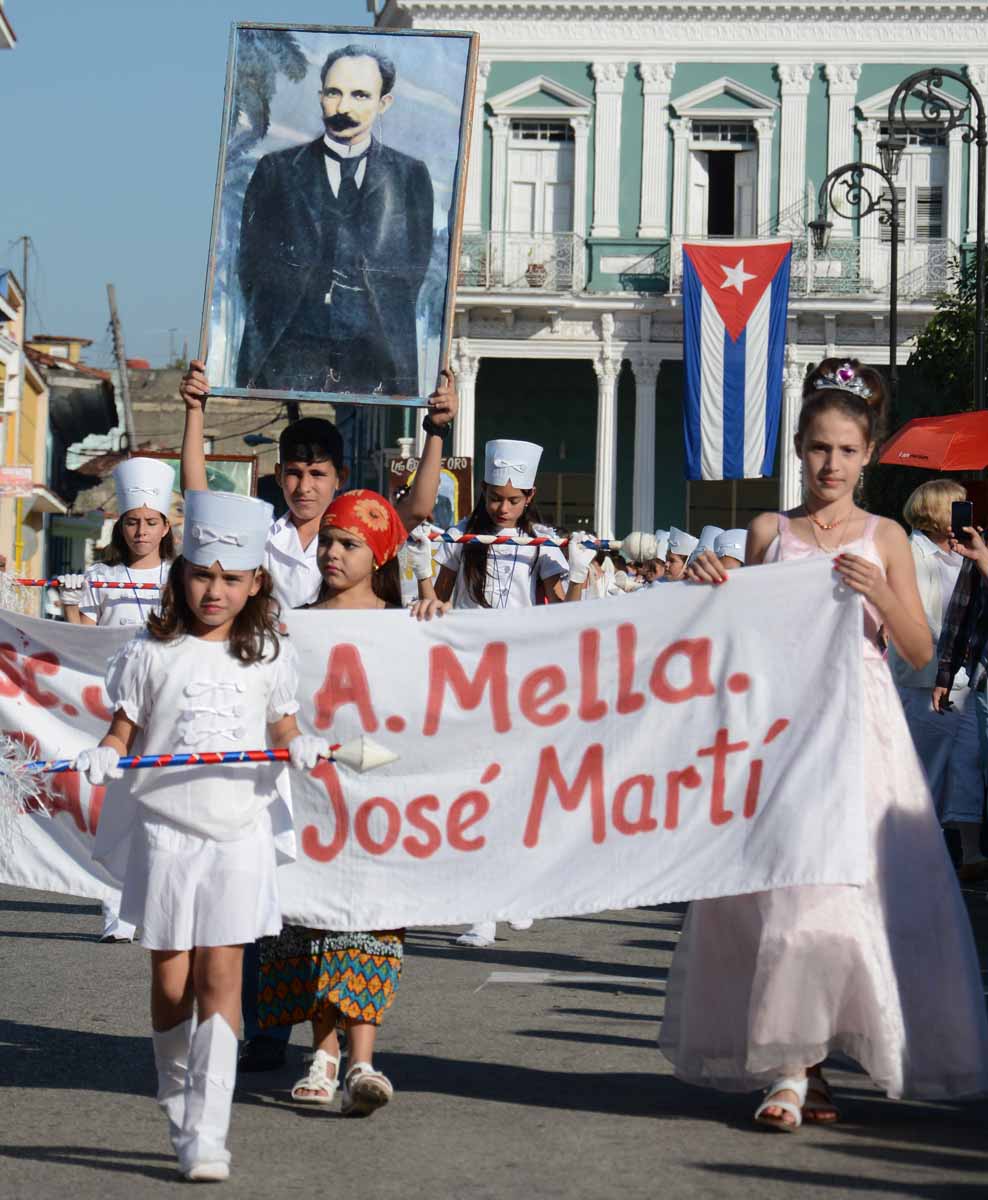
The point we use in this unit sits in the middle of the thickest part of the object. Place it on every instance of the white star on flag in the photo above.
(736, 277)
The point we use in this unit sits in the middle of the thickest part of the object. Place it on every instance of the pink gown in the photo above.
(887, 973)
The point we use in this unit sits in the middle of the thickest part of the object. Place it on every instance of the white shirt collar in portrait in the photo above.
(344, 150)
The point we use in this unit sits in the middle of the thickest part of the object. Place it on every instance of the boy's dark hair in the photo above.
(310, 440)
(255, 628)
(117, 551)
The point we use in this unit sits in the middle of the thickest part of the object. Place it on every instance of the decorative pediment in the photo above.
(876, 108)
(725, 99)
(540, 96)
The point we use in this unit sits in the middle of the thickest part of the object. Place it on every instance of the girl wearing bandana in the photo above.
(343, 980)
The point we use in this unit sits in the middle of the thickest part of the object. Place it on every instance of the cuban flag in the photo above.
(734, 334)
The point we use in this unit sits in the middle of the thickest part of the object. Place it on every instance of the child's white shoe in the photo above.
(321, 1089)
(798, 1086)
(208, 1172)
(365, 1091)
(478, 936)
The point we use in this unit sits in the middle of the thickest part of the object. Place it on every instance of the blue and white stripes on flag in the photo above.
(735, 299)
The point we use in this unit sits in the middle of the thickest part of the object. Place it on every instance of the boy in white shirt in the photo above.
(310, 471)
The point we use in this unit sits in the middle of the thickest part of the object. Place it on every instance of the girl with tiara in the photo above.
(763, 987)
(209, 672)
(474, 575)
(140, 551)
(340, 979)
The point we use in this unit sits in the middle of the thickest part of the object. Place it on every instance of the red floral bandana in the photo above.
(371, 518)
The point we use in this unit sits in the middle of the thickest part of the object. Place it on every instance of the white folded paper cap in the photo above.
(144, 483)
(225, 528)
(515, 463)
(681, 543)
(638, 547)
(708, 535)
(661, 543)
(731, 544)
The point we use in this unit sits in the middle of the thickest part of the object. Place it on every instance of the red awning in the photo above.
(954, 442)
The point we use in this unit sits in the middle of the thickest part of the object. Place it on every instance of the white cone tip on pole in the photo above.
(362, 754)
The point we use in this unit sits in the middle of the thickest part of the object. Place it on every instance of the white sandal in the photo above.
(318, 1080)
(794, 1110)
(365, 1091)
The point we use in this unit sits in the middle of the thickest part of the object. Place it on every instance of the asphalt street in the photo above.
(529, 1069)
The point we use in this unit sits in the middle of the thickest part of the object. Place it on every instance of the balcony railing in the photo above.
(850, 267)
(552, 262)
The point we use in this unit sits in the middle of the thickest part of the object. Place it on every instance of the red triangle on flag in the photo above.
(735, 275)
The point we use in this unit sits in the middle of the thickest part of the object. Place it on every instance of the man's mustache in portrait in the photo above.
(339, 122)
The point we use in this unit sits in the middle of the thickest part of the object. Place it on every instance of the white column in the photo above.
(977, 76)
(680, 177)
(499, 126)
(581, 136)
(646, 367)
(607, 369)
(466, 366)
(790, 468)
(868, 231)
(765, 131)
(955, 165)
(795, 79)
(842, 88)
(656, 80)
(608, 90)
(473, 202)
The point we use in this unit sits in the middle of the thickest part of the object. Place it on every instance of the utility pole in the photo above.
(121, 357)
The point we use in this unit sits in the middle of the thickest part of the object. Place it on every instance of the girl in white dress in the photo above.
(474, 575)
(141, 550)
(763, 987)
(209, 673)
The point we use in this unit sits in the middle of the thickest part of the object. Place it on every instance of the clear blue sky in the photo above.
(110, 134)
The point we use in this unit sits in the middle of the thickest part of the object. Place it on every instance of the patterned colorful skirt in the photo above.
(305, 971)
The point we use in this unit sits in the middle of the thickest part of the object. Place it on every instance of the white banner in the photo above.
(682, 743)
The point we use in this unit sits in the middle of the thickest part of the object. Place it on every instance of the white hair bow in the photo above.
(504, 464)
(206, 536)
(131, 488)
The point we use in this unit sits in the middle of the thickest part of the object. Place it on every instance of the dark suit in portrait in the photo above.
(330, 281)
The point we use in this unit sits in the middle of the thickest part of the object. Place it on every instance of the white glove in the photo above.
(420, 554)
(99, 764)
(71, 588)
(580, 556)
(305, 751)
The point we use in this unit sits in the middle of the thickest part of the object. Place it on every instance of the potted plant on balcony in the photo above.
(536, 272)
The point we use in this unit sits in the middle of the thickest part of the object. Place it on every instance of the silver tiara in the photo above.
(845, 379)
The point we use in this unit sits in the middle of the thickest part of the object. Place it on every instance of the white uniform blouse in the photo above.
(193, 695)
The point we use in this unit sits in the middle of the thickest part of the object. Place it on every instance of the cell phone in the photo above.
(961, 516)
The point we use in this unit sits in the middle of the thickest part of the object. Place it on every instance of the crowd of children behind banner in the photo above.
(352, 549)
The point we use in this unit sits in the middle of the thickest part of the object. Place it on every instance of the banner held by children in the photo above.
(656, 748)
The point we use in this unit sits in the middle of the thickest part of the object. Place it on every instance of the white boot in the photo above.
(171, 1057)
(479, 935)
(202, 1152)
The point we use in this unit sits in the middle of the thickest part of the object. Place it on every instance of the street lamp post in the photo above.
(920, 87)
(846, 188)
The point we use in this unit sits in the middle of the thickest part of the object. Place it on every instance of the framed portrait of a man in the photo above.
(337, 213)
